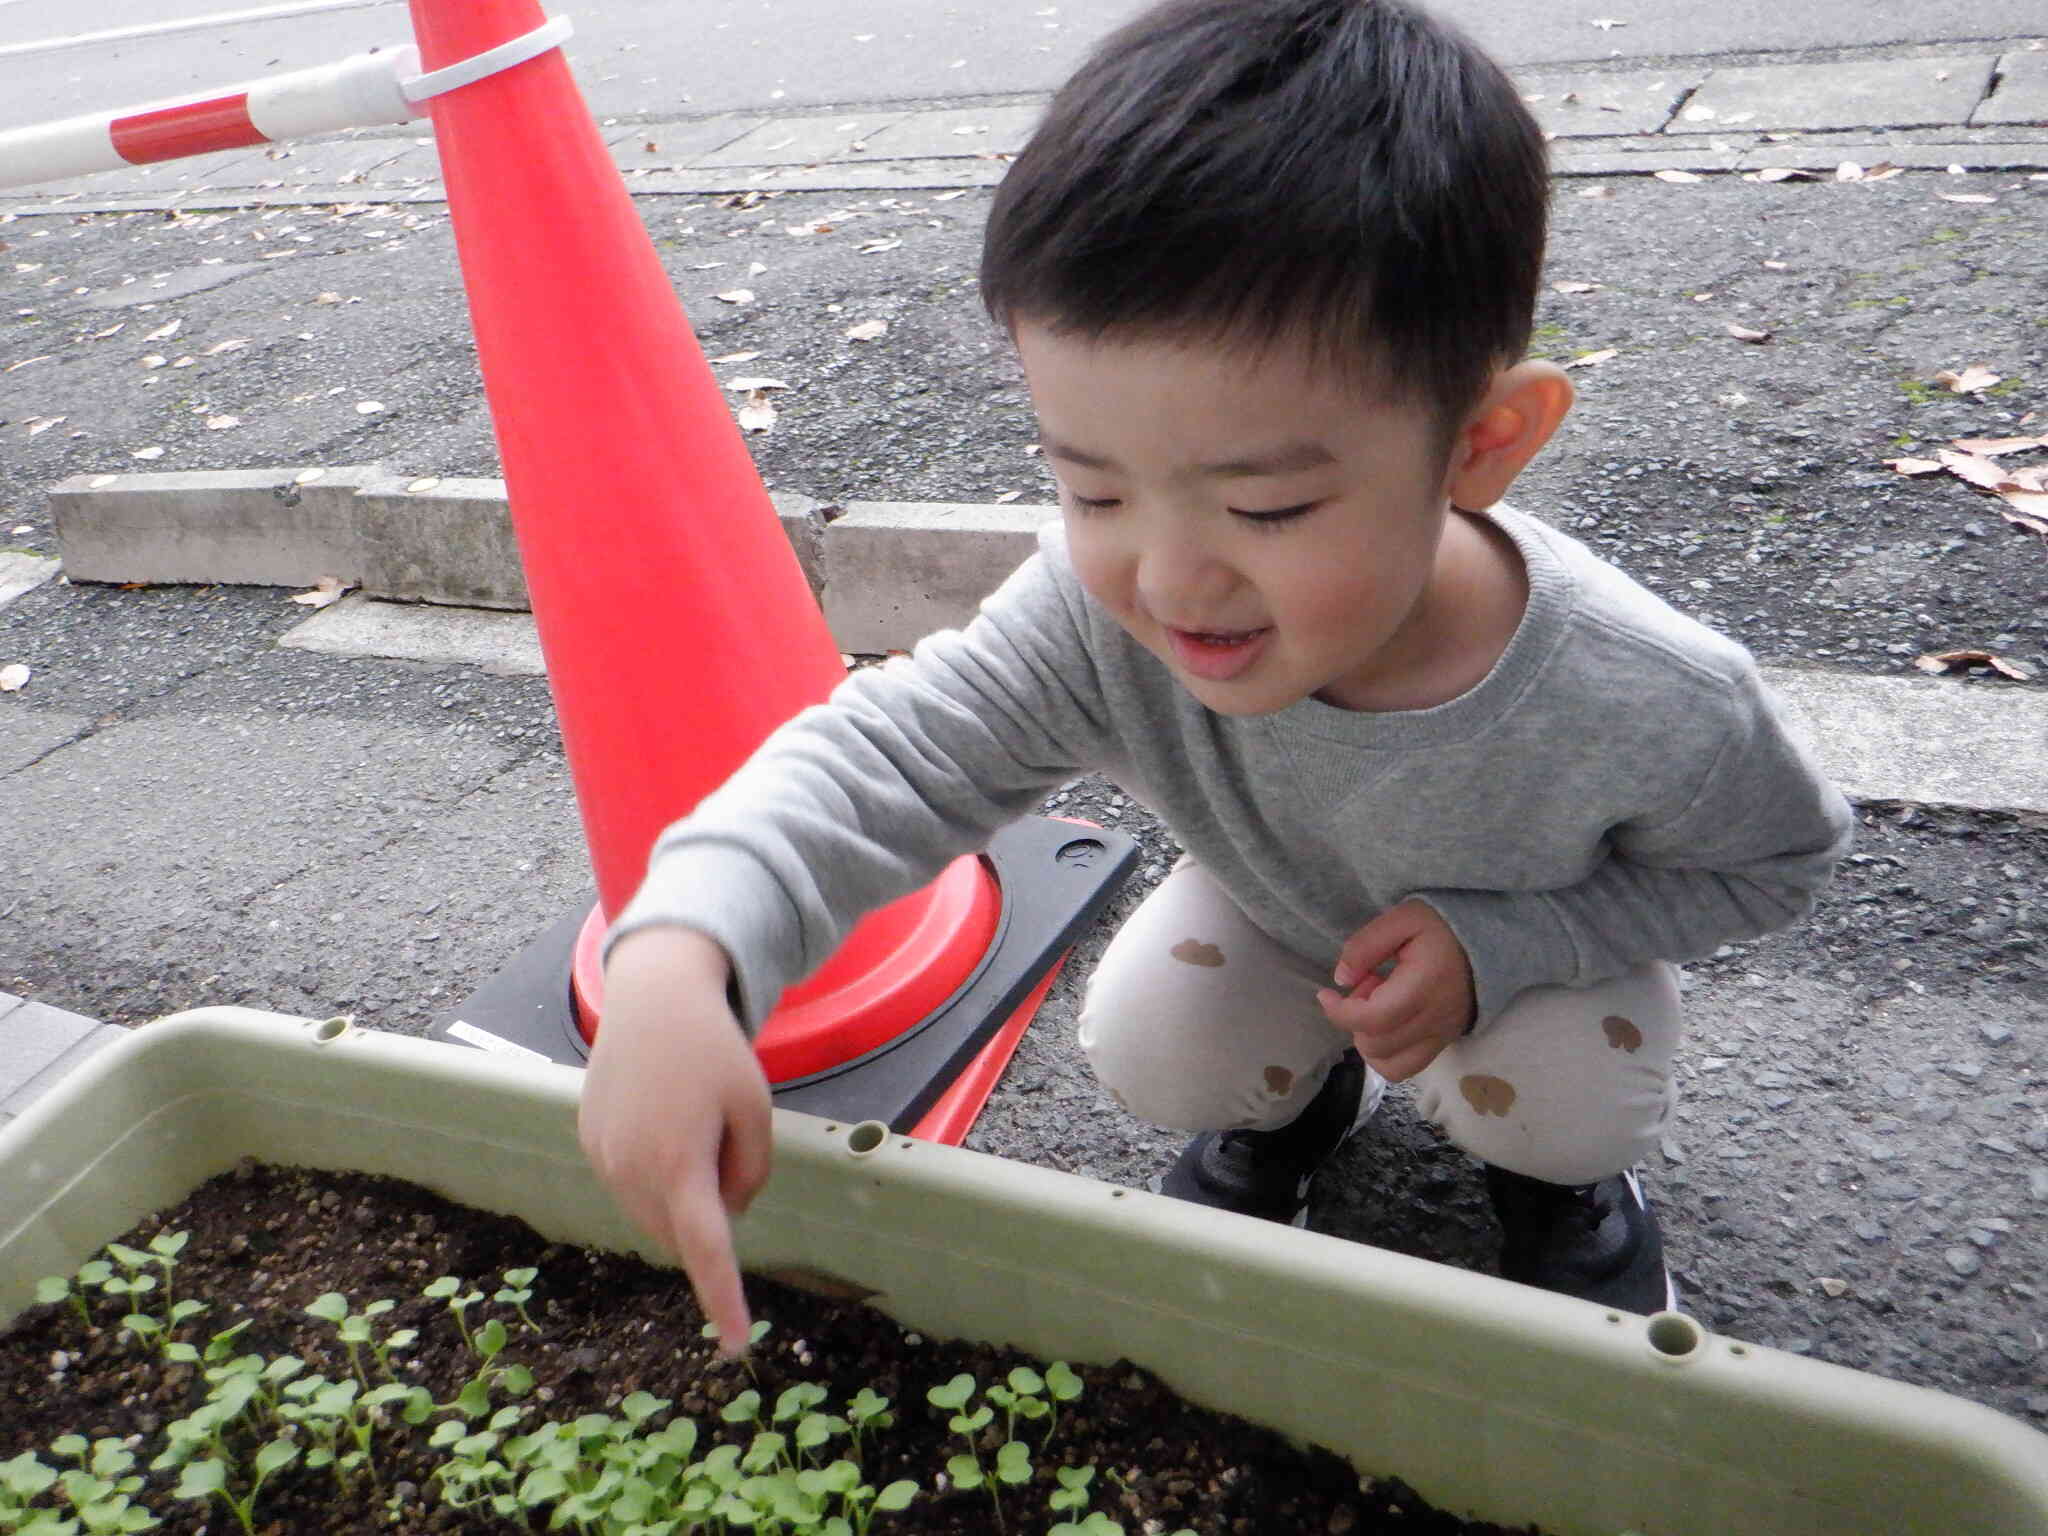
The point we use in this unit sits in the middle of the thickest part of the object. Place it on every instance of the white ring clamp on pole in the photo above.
(549, 34)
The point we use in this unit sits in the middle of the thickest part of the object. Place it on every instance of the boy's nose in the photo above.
(1178, 579)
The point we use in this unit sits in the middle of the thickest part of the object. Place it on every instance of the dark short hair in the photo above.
(1354, 174)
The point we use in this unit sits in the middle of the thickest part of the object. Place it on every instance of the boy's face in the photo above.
(1267, 531)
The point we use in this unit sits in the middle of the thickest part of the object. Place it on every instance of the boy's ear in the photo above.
(1504, 432)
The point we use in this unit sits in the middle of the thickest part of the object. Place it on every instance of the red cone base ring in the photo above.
(930, 1073)
(898, 964)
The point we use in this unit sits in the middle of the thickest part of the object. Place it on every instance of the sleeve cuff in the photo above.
(729, 896)
(1511, 943)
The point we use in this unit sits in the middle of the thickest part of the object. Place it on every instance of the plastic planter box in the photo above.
(1490, 1399)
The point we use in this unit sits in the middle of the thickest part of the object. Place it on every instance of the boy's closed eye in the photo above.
(1264, 516)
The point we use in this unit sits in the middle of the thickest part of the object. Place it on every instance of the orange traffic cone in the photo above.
(676, 622)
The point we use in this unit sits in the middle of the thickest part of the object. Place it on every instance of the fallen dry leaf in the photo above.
(1593, 359)
(112, 330)
(26, 361)
(1884, 170)
(222, 423)
(1777, 266)
(164, 332)
(1950, 661)
(868, 330)
(41, 424)
(1992, 447)
(1596, 192)
(1972, 380)
(736, 357)
(369, 407)
(1576, 287)
(751, 385)
(1744, 333)
(14, 677)
(1683, 178)
(1916, 466)
(1008, 496)
(735, 296)
(1834, 1287)
(234, 344)
(147, 453)
(328, 590)
(155, 360)
(1781, 173)
(1979, 472)
(876, 247)
(1607, 23)
(1966, 197)
(758, 414)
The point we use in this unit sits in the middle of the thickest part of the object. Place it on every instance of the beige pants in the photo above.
(1195, 1019)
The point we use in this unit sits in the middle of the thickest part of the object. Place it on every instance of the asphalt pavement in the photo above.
(195, 813)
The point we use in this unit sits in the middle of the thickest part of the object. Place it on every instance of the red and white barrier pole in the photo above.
(368, 90)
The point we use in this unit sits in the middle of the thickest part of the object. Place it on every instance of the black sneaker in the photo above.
(1267, 1173)
(1598, 1241)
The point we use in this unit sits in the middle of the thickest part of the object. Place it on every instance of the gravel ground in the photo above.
(1861, 1168)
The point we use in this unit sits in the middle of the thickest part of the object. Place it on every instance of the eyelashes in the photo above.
(1272, 518)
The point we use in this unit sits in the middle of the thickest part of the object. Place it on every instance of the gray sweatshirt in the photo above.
(1619, 788)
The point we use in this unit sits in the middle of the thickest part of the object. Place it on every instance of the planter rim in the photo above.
(1490, 1398)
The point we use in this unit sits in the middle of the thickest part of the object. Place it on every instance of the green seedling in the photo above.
(355, 1331)
(517, 1292)
(99, 1489)
(207, 1479)
(1096, 1523)
(1072, 1493)
(1062, 1385)
(449, 1289)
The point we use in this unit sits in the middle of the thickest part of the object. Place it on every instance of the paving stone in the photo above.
(1584, 104)
(38, 1045)
(1875, 93)
(502, 642)
(802, 140)
(1928, 742)
(659, 146)
(961, 131)
(2022, 94)
(332, 163)
(22, 573)
(1822, 157)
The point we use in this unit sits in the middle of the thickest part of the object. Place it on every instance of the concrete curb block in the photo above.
(428, 552)
(885, 572)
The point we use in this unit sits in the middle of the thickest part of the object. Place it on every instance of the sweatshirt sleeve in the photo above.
(864, 798)
(1760, 833)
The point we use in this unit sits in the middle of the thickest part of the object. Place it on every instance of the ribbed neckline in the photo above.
(1542, 625)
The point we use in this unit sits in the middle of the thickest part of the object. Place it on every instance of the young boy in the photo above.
(1454, 793)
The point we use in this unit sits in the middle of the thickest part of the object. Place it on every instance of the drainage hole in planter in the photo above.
(1741, 1351)
(330, 1029)
(1674, 1335)
(866, 1136)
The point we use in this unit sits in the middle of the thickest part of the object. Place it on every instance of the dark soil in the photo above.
(266, 1241)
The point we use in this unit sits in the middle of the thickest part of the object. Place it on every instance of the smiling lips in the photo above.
(1216, 655)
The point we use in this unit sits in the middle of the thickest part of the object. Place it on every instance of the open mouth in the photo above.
(1217, 654)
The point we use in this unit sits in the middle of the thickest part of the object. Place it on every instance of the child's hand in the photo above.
(1402, 1016)
(675, 1110)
